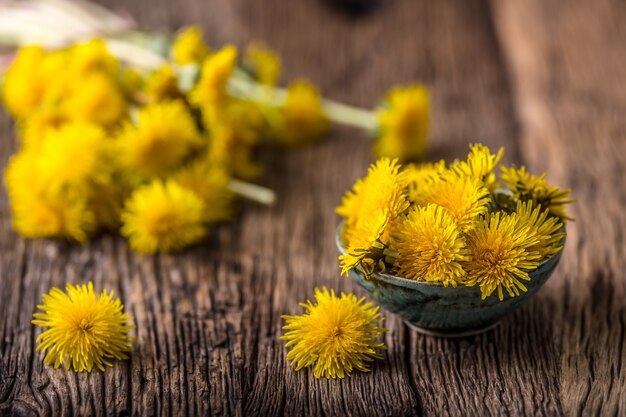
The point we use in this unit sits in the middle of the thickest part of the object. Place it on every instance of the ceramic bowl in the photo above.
(436, 310)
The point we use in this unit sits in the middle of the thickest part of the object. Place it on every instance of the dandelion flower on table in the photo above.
(36, 127)
(403, 124)
(92, 56)
(216, 70)
(300, 119)
(165, 134)
(262, 62)
(162, 85)
(189, 47)
(335, 336)
(500, 247)
(83, 330)
(429, 246)
(229, 151)
(24, 87)
(163, 217)
(480, 164)
(526, 186)
(96, 99)
(464, 197)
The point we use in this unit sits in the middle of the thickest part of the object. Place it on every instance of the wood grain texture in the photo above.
(544, 78)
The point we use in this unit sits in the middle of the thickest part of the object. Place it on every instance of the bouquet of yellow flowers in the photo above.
(453, 224)
(152, 136)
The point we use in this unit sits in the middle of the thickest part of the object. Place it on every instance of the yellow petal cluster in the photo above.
(335, 335)
(451, 225)
(83, 330)
(189, 47)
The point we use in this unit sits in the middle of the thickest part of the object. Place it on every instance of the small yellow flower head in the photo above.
(40, 212)
(430, 247)
(243, 117)
(165, 134)
(92, 56)
(189, 47)
(301, 119)
(23, 88)
(480, 164)
(83, 329)
(37, 126)
(465, 198)
(131, 82)
(74, 156)
(526, 186)
(403, 124)
(543, 226)
(335, 336)
(163, 217)
(421, 175)
(210, 183)
(228, 151)
(162, 85)
(95, 99)
(500, 255)
(263, 63)
(364, 242)
(216, 70)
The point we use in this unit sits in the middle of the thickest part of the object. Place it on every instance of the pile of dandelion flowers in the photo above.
(335, 336)
(83, 329)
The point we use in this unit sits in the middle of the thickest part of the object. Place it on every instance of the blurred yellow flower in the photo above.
(92, 56)
(526, 186)
(480, 164)
(39, 124)
(216, 70)
(189, 47)
(335, 336)
(23, 88)
(83, 329)
(96, 99)
(228, 151)
(262, 62)
(301, 118)
(162, 85)
(421, 175)
(430, 247)
(165, 134)
(403, 124)
(163, 217)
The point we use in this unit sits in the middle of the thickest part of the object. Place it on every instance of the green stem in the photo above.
(252, 192)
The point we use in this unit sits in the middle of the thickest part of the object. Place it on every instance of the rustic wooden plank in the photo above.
(569, 72)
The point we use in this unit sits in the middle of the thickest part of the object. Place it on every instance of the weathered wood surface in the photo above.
(545, 78)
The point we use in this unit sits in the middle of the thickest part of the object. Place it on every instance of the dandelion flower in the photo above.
(95, 99)
(165, 134)
(364, 242)
(262, 62)
(464, 197)
(228, 151)
(36, 127)
(216, 70)
(420, 175)
(189, 47)
(302, 118)
(83, 329)
(23, 88)
(163, 217)
(92, 56)
(162, 85)
(335, 336)
(430, 247)
(543, 226)
(500, 255)
(480, 164)
(403, 124)
(526, 186)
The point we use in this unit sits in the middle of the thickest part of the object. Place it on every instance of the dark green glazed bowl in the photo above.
(436, 310)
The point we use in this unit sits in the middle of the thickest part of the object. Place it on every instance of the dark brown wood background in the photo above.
(544, 78)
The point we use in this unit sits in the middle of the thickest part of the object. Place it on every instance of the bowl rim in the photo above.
(394, 279)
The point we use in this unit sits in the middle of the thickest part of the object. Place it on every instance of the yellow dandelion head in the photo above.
(336, 335)
(465, 198)
(243, 117)
(96, 99)
(23, 88)
(83, 329)
(430, 247)
(163, 217)
(403, 124)
(301, 118)
(421, 175)
(262, 62)
(500, 255)
(526, 186)
(189, 46)
(36, 127)
(480, 163)
(228, 151)
(364, 242)
(165, 134)
(351, 203)
(209, 182)
(131, 82)
(216, 70)
(74, 155)
(162, 85)
(544, 227)
(92, 56)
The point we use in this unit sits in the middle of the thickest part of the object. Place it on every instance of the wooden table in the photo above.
(546, 79)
